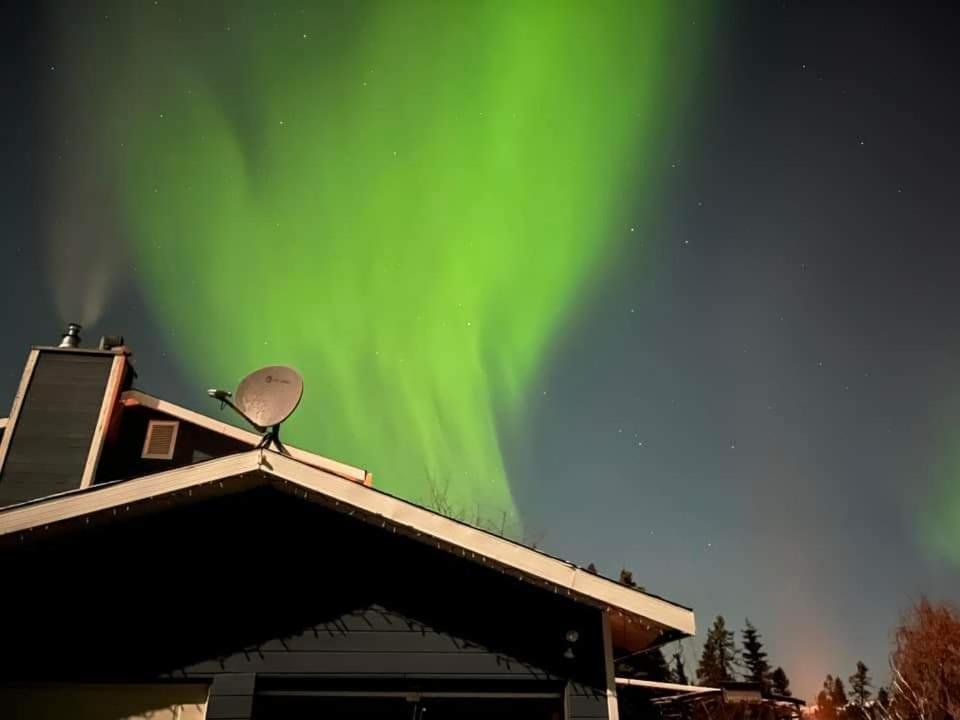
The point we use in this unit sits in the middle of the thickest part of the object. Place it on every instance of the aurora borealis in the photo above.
(402, 199)
(671, 283)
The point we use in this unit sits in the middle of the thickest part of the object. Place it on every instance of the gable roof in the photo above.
(137, 397)
(638, 620)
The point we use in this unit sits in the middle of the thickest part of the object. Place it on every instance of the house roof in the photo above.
(638, 620)
(137, 397)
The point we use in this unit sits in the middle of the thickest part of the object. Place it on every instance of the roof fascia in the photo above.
(78, 503)
(657, 685)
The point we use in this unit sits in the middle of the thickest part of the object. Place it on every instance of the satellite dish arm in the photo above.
(224, 397)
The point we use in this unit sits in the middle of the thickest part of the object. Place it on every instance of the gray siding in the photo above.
(231, 696)
(373, 644)
(586, 702)
(51, 440)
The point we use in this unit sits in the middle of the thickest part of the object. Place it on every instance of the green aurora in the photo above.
(939, 522)
(404, 199)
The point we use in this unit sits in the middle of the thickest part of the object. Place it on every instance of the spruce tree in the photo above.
(754, 656)
(652, 665)
(779, 682)
(860, 684)
(679, 670)
(648, 665)
(719, 654)
(839, 698)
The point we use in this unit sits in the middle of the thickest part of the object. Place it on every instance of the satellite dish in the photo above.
(269, 396)
(265, 398)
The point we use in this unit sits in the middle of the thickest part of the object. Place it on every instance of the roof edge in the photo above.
(97, 498)
(657, 685)
(502, 551)
(266, 465)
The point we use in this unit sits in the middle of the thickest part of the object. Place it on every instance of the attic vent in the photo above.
(161, 440)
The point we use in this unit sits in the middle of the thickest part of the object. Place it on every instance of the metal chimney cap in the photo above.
(71, 338)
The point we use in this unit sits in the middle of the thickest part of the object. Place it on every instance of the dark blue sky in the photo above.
(751, 411)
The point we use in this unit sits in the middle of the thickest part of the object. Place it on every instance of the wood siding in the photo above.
(122, 459)
(51, 440)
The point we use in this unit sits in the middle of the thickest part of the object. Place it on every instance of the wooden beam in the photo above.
(111, 399)
(11, 428)
(613, 705)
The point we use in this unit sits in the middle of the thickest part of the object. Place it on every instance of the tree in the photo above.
(679, 670)
(648, 665)
(838, 695)
(883, 698)
(592, 569)
(860, 685)
(754, 656)
(779, 682)
(826, 710)
(925, 664)
(719, 654)
(626, 578)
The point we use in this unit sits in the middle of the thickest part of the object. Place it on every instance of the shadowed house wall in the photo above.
(262, 592)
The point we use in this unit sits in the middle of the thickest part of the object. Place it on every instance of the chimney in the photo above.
(71, 338)
(60, 414)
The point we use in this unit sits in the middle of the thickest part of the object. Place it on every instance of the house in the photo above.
(732, 700)
(157, 563)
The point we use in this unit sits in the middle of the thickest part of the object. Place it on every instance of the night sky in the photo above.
(676, 289)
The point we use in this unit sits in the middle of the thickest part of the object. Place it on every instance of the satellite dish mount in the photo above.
(265, 398)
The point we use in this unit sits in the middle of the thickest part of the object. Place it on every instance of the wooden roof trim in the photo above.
(78, 503)
(3, 423)
(657, 685)
(136, 397)
(400, 513)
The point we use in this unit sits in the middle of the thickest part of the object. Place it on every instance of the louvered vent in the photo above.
(161, 440)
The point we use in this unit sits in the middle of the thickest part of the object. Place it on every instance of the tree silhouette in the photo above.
(860, 685)
(648, 665)
(838, 696)
(679, 670)
(779, 682)
(826, 709)
(925, 665)
(883, 698)
(719, 654)
(754, 656)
